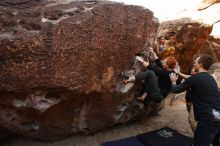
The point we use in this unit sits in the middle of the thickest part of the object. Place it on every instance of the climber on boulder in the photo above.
(157, 84)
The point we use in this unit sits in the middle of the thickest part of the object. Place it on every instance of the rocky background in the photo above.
(193, 38)
(194, 31)
(61, 61)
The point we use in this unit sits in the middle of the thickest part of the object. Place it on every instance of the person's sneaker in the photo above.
(142, 98)
(139, 99)
(125, 81)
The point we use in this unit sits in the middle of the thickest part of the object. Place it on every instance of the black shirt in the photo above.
(164, 82)
(206, 99)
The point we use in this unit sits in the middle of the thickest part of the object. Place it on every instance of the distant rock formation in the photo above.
(206, 12)
(60, 62)
(193, 38)
(195, 33)
(207, 3)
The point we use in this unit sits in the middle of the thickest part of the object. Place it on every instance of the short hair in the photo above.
(205, 60)
(171, 62)
(161, 37)
(172, 33)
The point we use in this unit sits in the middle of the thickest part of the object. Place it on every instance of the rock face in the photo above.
(215, 72)
(209, 10)
(196, 33)
(6, 135)
(193, 38)
(60, 62)
(207, 3)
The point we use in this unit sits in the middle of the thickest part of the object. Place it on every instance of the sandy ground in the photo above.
(174, 116)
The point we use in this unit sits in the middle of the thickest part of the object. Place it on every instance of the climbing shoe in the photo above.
(124, 76)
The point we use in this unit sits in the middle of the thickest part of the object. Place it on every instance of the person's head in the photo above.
(165, 53)
(169, 63)
(172, 33)
(161, 40)
(169, 52)
(172, 36)
(203, 62)
(172, 51)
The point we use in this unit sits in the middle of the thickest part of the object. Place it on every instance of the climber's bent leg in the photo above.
(151, 84)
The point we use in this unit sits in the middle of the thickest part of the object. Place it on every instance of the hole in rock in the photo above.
(53, 96)
(13, 119)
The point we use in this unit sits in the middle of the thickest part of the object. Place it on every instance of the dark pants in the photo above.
(150, 84)
(216, 141)
(206, 133)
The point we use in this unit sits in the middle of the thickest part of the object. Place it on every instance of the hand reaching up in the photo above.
(140, 59)
(151, 50)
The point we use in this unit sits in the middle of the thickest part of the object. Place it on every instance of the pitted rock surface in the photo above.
(60, 63)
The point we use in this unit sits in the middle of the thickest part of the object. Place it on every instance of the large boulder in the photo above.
(6, 135)
(60, 62)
